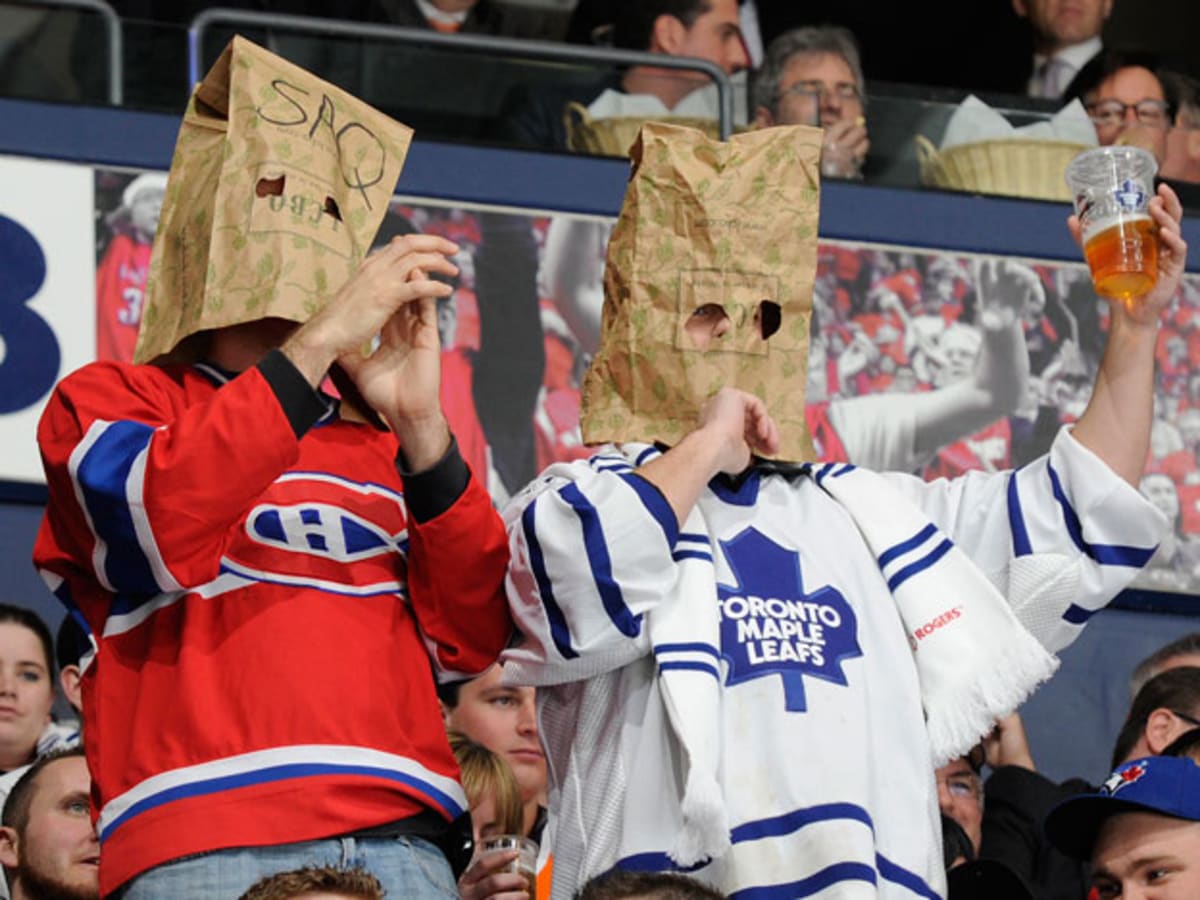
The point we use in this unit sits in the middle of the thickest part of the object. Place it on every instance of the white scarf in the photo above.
(975, 661)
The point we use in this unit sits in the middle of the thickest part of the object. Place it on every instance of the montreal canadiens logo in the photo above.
(1122, 778)
(772, 625)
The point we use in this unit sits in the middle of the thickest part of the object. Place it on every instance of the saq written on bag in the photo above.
(278, 184)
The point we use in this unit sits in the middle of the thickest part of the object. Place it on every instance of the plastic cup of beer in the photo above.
(524, 865)
(1112, 187)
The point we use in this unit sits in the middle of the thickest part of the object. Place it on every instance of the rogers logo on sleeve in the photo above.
(934, 624)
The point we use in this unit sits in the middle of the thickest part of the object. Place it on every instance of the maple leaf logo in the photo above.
(770, 625)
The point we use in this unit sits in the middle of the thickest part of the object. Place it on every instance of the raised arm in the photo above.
(1116, 424)
(594, 542)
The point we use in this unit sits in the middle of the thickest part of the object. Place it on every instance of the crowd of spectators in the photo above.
(813, 74)
(994, 802)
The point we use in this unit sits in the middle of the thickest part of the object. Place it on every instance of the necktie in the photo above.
(1052, 78)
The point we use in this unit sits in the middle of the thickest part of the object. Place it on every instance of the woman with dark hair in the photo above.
(26, 685)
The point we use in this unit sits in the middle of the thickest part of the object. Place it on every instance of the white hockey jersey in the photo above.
(825, 769)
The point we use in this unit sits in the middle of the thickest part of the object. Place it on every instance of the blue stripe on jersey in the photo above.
(889, 871)
(656, 504)
(655, 862)
(814, 884)
(1016, 520)
(690, 665)
(645, 455)
(904, 546)
(601, 565)
(281, 773)
(680, 555)
(1105, 554)
(1077, 615)
(797, 819)
(688, 647)
(102, 475)
(920, 565)
(559, 632)
(846, 469)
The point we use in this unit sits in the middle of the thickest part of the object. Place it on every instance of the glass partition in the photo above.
(526, 94)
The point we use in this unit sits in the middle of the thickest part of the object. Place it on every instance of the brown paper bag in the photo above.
(277, 186)
(706, 221)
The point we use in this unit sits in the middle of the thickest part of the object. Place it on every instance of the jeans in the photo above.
(405, 866)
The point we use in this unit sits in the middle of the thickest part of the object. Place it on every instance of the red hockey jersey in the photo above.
(267, 608)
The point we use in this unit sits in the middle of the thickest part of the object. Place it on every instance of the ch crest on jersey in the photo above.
(772, 625)
(320, 529)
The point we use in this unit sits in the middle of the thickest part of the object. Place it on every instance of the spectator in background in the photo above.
(460, 16)
(1018, 798)
(705, 29)
(26, 689)
(813, 76)
(622, 885)
(317, 883)
(1184, 651)
(1166, 707)
(495, 801)
(73, 651)
(48, 845)
(1066, 35)
(960, 795)
(1126, 100)
(491, 788)
(1140, 831)
(503, 719)
(121, 274)
(1182, 160)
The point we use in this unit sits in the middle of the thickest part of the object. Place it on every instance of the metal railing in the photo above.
(112, 24)
(508, 49)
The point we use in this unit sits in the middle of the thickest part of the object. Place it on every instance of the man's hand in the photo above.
(1006, 289)
(483, 879)
(736, 425)
(732, 426)
(843, 148)
(1167, 212)
(390, 298)
(1006, 744)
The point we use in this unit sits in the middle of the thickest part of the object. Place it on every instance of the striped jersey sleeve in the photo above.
(1060, 536)
(592, 549)
(143, 492)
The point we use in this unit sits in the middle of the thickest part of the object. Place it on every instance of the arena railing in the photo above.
(417, 41)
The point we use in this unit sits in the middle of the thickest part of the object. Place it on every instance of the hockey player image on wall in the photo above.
(748, 663)
(121, 272)
(274, 580)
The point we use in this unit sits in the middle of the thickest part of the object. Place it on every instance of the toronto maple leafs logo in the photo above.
(1123, 777)
(1130, 194)
(770, 625)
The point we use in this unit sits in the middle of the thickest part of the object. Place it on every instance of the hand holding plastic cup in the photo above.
(1112, 188)
(524, 865)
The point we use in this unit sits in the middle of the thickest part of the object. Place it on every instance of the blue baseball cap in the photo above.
(1167, 785)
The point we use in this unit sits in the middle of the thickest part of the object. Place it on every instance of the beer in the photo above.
(1123, 258)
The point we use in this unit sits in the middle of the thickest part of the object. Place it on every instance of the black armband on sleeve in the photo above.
(300, 402)
(430, 493)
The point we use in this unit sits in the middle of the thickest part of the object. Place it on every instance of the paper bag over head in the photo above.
(277, 186)
(707, 221)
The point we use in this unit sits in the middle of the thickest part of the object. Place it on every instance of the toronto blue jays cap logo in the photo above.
(771, 624)
(1122, 778)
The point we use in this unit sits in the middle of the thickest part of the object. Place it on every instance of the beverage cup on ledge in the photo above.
(524, 865)
(1112, 187)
